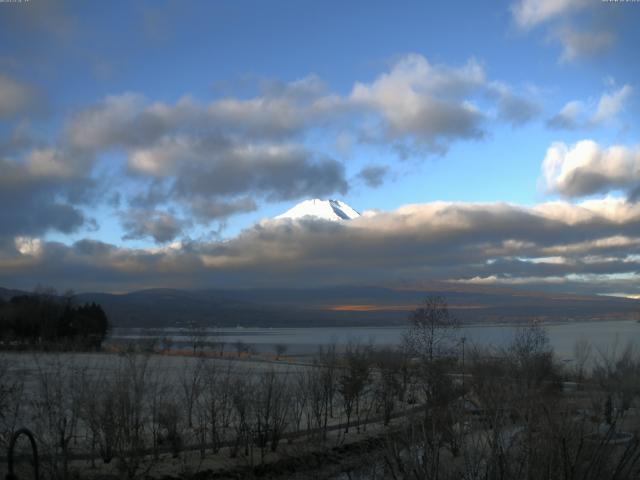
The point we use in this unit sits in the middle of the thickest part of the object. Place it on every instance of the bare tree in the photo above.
(168, 419)
(216, 402)
(531, 360)
(167, 344)
(196, 334)
(132, 382)
(322, 384)
(191, 385)
(271, 402)
(11, 401)
(242, 401)
(388, 382)
(217, 342)
(415, 452)
(56, 409)
(241, 347)
(353, 379)
(618, 374)
(299, 401)
(432, 329)
(280, 350)
(582, 353)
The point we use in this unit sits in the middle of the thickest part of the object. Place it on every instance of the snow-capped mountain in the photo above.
(325, 209)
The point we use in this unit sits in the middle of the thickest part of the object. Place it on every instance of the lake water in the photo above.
(604, 336)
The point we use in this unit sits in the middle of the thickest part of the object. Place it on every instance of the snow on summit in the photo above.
(325, 209)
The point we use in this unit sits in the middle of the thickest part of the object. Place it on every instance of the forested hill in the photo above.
(47, 320)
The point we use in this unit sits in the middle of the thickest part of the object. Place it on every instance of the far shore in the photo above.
(378, 326)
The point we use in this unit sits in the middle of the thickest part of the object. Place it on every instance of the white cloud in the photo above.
(28, 246)
(578, 114)
(530, 13)
(586, 168)
(497, 280)
(430, 103)
(611, 104)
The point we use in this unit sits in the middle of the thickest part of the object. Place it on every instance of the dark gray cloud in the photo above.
(126, 121)
(581, 27)
(214, 180)
(583, 43)
(517, 110)
(53, 18)
(374, 175)
(130, 121)
(634, 194)
(15, 97)
(34, 200)
(277, 173)
(162, 227)
(567, 118)
(307, 89)
(207, 210)
(19, 139)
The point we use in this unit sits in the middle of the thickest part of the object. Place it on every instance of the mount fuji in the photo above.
(333, 210)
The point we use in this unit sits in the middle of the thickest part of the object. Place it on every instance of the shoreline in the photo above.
(249, 329)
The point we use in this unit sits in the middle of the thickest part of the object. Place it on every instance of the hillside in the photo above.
(347, 306)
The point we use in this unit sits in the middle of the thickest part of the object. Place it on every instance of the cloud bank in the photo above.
(593, 247)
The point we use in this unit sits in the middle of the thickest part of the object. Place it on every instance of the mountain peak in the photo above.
(333, 210)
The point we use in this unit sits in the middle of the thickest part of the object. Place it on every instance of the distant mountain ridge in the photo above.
(334, 210)
(343, 306)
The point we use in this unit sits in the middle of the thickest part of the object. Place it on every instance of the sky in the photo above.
(151, 144)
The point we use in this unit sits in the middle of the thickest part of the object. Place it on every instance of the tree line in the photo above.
(48, 320)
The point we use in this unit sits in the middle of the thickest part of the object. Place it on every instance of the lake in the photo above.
(604, 336)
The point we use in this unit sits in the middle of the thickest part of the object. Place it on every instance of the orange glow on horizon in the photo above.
(391, 308)
(369, 308)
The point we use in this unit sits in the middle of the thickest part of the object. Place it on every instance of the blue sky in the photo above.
(172, 129)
